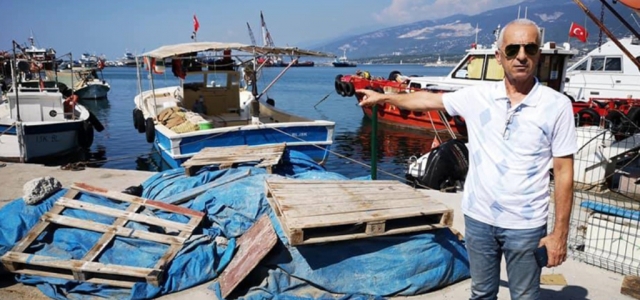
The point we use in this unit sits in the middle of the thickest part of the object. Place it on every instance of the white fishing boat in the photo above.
(606, 72)
(37, 122)
(86, 82)
(218, 104)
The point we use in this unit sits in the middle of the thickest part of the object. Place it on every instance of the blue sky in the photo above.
(111, 27)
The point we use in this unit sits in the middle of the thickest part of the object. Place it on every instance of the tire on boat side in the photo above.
(135, 121)
(139, 117)
(150, 130)
(338, 85)
(632, 120)
(446, 166)
(349, 89)
(592, 117)
(85, 135)
(95, 122)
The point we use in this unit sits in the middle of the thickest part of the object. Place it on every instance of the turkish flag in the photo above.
(578, 32)
(196, 24)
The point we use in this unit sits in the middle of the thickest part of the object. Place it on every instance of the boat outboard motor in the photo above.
(446, 166)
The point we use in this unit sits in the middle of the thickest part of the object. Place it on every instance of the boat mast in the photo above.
(15, 80)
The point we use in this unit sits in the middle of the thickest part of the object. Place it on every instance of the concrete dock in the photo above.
(583, 281)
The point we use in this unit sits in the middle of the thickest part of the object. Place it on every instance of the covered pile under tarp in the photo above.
(355, 269)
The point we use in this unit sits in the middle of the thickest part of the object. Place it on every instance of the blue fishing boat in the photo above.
(216, 103)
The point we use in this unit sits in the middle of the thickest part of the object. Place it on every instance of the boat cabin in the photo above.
(606, 72)
(219, 90)
(480, 64)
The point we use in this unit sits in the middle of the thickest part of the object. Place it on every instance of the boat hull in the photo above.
(93, 91)
(41, 141)
(343, 65)
(392, 115)
(313, 140)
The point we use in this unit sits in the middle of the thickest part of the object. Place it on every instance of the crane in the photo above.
(253, 39)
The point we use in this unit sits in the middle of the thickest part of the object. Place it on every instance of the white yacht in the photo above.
(606, 73)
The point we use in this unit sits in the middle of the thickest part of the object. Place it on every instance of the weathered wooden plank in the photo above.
(297, 211)
(104, 210)
(336, 238)
(133, 199)
(36, 230)
(362, 217)
(96, 280)
(253, 246)
(118, 230)
(102, 243)
(278, 183)
(155, 277)
(631, 286)
(310, 200)
(195, 192)
(69, 264)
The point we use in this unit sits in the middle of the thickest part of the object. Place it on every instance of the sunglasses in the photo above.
(512, 50)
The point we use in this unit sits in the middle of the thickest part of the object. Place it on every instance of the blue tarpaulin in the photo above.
(357, 269)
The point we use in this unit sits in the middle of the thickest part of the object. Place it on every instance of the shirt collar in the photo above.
(532, 99)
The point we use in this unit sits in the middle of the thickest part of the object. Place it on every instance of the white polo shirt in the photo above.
(508, 180)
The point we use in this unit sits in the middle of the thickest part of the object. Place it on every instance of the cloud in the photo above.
(407, 11)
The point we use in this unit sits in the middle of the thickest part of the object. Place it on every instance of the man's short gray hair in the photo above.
(519, 22)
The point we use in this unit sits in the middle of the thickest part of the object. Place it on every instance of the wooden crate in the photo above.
(267, 156)
(316, 211)
(86, 269)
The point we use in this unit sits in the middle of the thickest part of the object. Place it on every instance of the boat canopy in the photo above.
(169, 51)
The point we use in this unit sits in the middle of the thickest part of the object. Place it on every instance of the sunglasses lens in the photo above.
(531, 49)
(511, 50)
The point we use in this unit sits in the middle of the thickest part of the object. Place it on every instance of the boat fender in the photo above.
(393, 75)
(135, 122)
(139, 117)
(271, 102)
(85, 135)
(446, 165)
(616, 122)
(338, 86)
(95, 122)
(461, 125)
(592, 117)
(150, 130)
(348, 89)
(69, 105)
(633, 120)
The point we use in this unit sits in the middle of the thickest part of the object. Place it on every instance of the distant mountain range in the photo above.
(454, 34)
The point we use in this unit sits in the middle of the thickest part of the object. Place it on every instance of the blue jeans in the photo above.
(486, 244)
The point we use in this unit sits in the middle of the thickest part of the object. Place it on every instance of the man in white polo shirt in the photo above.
(516, 128)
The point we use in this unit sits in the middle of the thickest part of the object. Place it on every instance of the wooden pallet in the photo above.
(316, 211)
(86, 268)
(267, 156)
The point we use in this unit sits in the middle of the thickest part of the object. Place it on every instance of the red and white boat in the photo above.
(478, 65)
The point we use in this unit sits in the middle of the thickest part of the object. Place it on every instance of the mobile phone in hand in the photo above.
(541, 256)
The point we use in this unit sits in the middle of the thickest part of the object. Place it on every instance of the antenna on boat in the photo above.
(476, 42)
(526, 8)
(518, 11)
